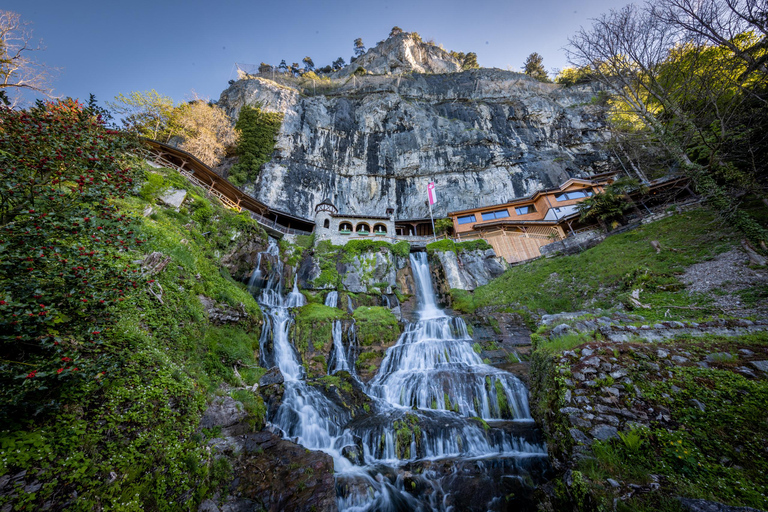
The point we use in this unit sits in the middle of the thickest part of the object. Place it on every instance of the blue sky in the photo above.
(106, 47)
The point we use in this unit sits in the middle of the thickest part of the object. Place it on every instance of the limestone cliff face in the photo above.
(483, 136)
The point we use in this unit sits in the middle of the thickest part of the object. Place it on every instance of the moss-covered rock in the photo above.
(313, 335)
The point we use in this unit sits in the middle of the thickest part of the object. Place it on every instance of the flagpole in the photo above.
(434, 234)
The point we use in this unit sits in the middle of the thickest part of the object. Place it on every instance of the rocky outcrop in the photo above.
(364, 272)
(404, 53)
(220, 314)
(243, 256)
(484, 136)
(466, 270)
(268, 473)
(369, 268)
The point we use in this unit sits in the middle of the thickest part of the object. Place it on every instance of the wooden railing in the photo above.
(200, 175)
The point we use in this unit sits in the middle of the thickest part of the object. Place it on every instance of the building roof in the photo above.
(349, 216)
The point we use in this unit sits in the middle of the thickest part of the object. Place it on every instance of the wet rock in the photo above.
(719, 357)
(275, 474)
(613, 483)
(692, 505)
(760, 365)
(586, 352)
(273, 376)
(560, 330)
(576, 421)
(593, 361)
(242, 257)
(604, 432)
(353, 454)
(208, 506)
(224, 411)
(679, 359)
(579, 436)
(661, 353)
(697, 404)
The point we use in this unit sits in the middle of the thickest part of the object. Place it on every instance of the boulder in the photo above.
(223, 412)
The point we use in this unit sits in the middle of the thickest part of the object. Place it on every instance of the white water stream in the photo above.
(429, 386)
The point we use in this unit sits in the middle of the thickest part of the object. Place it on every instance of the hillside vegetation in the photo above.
(606, 275)
(101, 401)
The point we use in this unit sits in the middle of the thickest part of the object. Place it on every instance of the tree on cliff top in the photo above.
(534, 67)
(395, 31)
(308, 64)
(18, 70)
(358, 47)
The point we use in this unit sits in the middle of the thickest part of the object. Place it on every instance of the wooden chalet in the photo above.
(517, 229)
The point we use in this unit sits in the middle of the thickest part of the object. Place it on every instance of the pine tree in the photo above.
(534, 67)
(359, 47)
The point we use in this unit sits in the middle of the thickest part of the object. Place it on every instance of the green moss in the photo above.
(254, 406)
(448, 245)
(407, 431)
(376, 324)
(314, 322)
(334, 380)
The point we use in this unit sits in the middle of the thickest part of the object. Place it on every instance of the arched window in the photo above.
(345, 227)
(327, 223)
(379, 229)
(363, 228)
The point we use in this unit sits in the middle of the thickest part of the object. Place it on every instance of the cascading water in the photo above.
(434, 402)
(338, 361)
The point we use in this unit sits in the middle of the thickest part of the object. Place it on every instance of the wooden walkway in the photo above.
(214, 185)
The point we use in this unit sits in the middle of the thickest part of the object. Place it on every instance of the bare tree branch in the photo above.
(18, 69)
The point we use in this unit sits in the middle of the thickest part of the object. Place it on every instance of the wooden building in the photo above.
(517, 229)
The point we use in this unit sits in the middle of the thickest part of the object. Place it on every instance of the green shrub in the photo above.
(258, 130)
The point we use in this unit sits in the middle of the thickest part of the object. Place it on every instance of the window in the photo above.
(345, 226)
(363, 228)
(379, 228)
(467, 219)
(327, 223)
(499, 214)
(524, 210)
(573, 194)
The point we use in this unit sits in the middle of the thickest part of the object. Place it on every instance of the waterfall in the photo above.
(338, 360)
(433, 399)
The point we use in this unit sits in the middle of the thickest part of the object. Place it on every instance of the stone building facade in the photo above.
(340, 228)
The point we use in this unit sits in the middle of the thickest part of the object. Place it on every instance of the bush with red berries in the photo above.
(64, 248)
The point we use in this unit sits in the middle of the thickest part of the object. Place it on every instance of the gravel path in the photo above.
(724, 276)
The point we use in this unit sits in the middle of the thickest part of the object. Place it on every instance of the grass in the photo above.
(605, 275)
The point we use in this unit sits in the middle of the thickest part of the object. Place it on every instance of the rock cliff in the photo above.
(404, 53)
(371, 142)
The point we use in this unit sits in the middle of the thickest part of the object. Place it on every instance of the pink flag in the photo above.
(431, 192)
